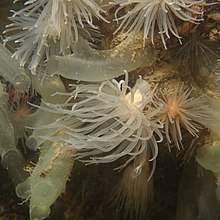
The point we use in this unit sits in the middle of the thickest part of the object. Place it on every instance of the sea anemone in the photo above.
(197, 51)
(146, 13)
(180, 110)
(19, 108)
(134, 193)
(50, 27)
(116, 121)
(199, 55)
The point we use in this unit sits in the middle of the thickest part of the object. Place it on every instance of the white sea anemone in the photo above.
(180, 110)
(116, 120)
(48, 27)
(146, 13)
(134, 193)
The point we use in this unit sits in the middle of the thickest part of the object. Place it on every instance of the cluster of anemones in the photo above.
(50, 27)
(115, 121)
(104, 122)
(107, 121)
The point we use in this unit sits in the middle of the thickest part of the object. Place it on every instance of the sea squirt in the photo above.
(11, 70)
(48, 179)
(11, 157)
(92, 65)
(46, 86)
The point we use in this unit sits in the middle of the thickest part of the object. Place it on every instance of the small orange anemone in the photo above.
(180, 110)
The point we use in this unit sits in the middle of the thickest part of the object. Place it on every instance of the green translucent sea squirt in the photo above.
(92, 65)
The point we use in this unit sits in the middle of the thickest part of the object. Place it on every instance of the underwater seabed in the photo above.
(179, 182)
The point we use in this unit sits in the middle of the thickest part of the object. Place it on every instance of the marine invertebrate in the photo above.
(198, 54)
(195, 194)
(19, 108)
(208, 157)
(43, 187)
(48, 27)
(197, 51)
(105, 64)
(145, 14)
(180, 110)
(45, 85)
(12, 72)
(102, 122)
(11, 157)
(208, 154)
(116, 121)
(134, 193)
(213, 120)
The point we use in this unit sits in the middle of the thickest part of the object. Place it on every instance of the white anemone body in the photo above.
(46, 25)
(148, 13)
(116, 121)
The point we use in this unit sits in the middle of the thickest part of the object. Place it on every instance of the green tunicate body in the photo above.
(196, 195)
(208, 157)
(48, 179)
(12, 71)
(92, 65)
(46, 86)
(11, 157)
